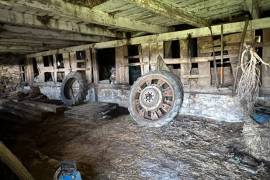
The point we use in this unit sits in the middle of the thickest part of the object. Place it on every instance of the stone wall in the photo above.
(214, 106)
(219, 107)
(113, 93)
(10, 77)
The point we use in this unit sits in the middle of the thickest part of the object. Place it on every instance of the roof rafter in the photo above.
(18, 41)
(85, 14)
(171, 10)
(24, 19)
(32, 33)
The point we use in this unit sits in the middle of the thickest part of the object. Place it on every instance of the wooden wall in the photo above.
(195, 72)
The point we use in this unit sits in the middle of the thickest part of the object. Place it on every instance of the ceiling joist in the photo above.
(48, 22)
(31, 33)
(171, 11)
(85, 14)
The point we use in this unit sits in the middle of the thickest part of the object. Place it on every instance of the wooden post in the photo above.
(29, 71)
(95, 66)
(54, 72)
(73, 59)
(66, 63)
(145, 56)
(266, 57)
(14, 163)
(88, 64)
(221, 57)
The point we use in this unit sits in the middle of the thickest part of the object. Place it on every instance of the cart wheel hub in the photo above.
(150, 98)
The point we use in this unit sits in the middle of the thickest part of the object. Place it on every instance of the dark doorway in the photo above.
(106, 61)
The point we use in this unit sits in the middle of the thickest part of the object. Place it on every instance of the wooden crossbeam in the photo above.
(85, 14)
(21, 49)
(253, 8)
(197, 32)
(170, 10)
(9, 31)
(24, 19)
(37, 43)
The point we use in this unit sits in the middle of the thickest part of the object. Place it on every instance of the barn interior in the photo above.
(135, 89)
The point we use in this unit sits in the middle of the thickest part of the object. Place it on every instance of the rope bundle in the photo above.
(248, 87)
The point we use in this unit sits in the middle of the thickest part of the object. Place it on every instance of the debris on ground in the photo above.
(188, 148)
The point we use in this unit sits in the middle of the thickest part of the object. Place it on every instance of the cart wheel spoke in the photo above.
(160, 83)
(165, 107)
(167, 92)
(154, 115)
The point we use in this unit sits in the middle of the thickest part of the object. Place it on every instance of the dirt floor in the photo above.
(116, 148)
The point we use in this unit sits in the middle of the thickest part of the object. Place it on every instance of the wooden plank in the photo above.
(67, 65)
(145, 56)
(85, 14)
(156, 49)
(204, 70)
(25, 19)
(171, 11)
(195, 59)
(73, 59)
(88, 70)
(29, 72)
(37, 42)
(198, 32)
(44, 106)
(19, 32)
(95, 66)
(195, 76)
(226, 48)
(121, 61)
(266, 57)
(184, 48)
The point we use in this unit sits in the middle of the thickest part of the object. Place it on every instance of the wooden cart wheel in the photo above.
(156, 98)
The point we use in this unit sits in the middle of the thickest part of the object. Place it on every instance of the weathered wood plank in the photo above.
(122, 75)
(172, 11)
(95, 66)
(198, 32)
(48, 22)
(85, 14)
(9, 31)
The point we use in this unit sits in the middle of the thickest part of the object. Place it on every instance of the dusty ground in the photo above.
(116, 148)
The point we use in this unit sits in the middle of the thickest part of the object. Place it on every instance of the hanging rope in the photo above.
(248, 87)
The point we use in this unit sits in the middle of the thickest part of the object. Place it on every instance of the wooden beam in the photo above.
(170, 10)
(43, 46)
(14, 41)
(253, 8)
(32, 33)
(21, 49)
(90, 4)
(197, 32)
(85, 14)
(48, 22)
